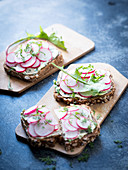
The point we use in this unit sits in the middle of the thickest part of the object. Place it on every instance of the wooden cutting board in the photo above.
(77, 46)
(101, 110)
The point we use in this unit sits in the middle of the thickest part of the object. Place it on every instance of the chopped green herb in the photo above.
(48, 160)
(89, 129)
(117, 142)
(49, 121)
(84, 120)
(95, 79)
(120, 146)
(73, 95)
(91, 145)
(71, 164)
(94, 112)
(98, 116)
(65, 108)
(84, 157)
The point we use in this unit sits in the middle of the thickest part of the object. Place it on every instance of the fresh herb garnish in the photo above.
(71, 163)
(9, 84)
(84, 120)
(117, 142)
(84, 157)
(48, 160)
(98, 116)
(95, 79)
(94, 112)
(89, 129)
(91, 145)
(65, 108)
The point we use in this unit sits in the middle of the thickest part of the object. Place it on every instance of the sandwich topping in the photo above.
(83, 82)
(40, 122)
(76, 121)
(30, 57)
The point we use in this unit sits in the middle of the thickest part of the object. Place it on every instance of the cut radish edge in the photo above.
(72, 122)
(29, 63)
(19, 69)
(45, 55)
(69, 81)
(31, 130)
(82, 94)
(60, 114)
(64, 88)
(71, 135)
(37, 64)
(10, 58)
(83, 123)
(43, 129)
(51, 119)
(33, 119)
(10, 65)
(24, 58)
(68, 126)
(30, 110)
(107, 88)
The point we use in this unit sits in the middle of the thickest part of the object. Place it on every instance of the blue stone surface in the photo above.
(103, 21)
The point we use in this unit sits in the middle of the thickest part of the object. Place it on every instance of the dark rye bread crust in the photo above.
(45, 142)
(58, 61)
(89, 101)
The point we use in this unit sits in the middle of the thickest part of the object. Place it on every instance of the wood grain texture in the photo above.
(77, 46)
(100, 109)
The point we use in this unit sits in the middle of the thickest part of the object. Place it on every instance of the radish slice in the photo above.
(69, 81)
(60, 113)
(29, 63)
(37, 64)
(43, 110)
(45, 55)
(83, 123)
(83, 94)
(87, 76)
(19, 69)
(35, 48)
(64, 88)
(72, 121)
(33, 119)
(106, 88)
(10, 65)
(71, 135)
(45, 44)
(24, 58)
(30, 110)
(79, 87)
(51, 119)
(106, 80)
(31, 130)
(56, 128)
(85, 71)
(43, 129)
(10, 58)
(68, 126)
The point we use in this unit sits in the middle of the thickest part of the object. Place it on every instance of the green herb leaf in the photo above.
(117, 142)
(98, 116)
(48, 160)
(120, 146)
(91, 145)
(84, 157)
(9, 84)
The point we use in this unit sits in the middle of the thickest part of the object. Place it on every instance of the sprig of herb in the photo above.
(84, 157)
(98, 116)
(117, 141)
(48, 160)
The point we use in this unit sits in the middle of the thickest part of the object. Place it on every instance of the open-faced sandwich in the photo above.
(74, 127)
(84, 85)
(32, 59)
(78, 126)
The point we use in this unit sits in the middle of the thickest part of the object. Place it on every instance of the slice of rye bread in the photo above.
(88, 101)
(58, 61)
(69, 145)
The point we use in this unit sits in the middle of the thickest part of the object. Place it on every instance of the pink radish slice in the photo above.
(37, 64)
(10, 58)
(85, 110)
(49, 116)
(43, 129)
(33, 119)
(71, 135)
(69, 81)
(72, 109)
(43, 110)
(72, 122)
(106, 88)
(35, 48)
(29, 63)
(60, 113)
(10, 65)
(45, 44)
(87, 76)
(84, 125)
(56, 128)
(31, 130)
(79, 87)
(68, 126)
(19, 69)
(83, 95)
(106, 80)
(64, 88)
(45, 55)
(86, 71)
(30, 110)
(24, 58)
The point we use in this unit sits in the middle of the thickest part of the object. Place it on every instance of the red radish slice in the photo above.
(64, 88)
(45, 55)
(29, 63)
(35, 48)
(85, 111)
(53, 121)
(83, 94)
(30, 110)
(19, 69)
(106, 80)
(82, 124)
(69, 81)
(37, 64)
(87, 76)
(88, 72)
(24, 58)
(43, 129)
(10, 65)
(60, 113)
(10, 58)
(43, 110)
(79, 87)
(33, 119)
(56, 128)
(71, 135)
(31, 130)
(106, 88)
(73, 109)
(72, 121)
(45, 44)
(68, 126)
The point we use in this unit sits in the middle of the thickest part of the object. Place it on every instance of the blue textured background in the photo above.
(103, 21)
